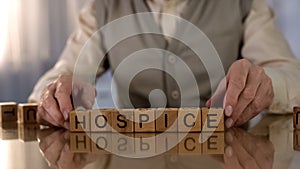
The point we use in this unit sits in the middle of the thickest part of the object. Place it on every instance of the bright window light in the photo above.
(4, 11)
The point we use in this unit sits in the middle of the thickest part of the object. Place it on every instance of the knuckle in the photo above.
(248, 94)
(237, 83)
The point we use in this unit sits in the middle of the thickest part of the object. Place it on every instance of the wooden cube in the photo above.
(166, 143)
(296, 117)
(144, 144)
(101, 120)
(8, 131)
(28, 132)
(123, 144)
(166, 120)
(144, 120)
(212, 119)
(79, 121)
(189, 120)
(122, 121)
(80, 143)
(296, 142)
(8, 112)
(27, 112)
(189, 144)
(213, 143)
(101, 143)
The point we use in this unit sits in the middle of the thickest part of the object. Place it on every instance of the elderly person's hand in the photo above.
(56, 100)
(248, 91)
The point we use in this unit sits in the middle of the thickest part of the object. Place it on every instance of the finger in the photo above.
(63, 95)
(236, 79)
(230, 159)
(261, 101)
(43, 117)
(88, 96)
(51, 108)
(249, 92)
(66, 158)
(244, 158)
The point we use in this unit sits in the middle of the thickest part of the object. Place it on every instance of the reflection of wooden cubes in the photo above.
(28, 132)
(101, 120)
(166, 120)
(189, 120)
(8, 112)
(79, 121)
(166, 143)
(213, 143)
(144, 120)
(212, 119)
(122, 121)
(296, 140)
(101, 143)
(123, 144)
(27, 113)
(189, 144)
(9, 131)
(144, 144)
(80, 143)
(296, 117)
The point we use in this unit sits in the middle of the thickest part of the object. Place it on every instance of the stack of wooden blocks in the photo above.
(110, 130)
(16, 119)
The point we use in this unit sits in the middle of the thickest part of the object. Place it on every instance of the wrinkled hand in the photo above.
(248, 91)
(56, 100)
(54, 146)
(245, 150)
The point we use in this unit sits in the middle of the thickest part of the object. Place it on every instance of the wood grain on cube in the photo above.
(79, 121)
(166, 120)
(144, 120)
(101, 120)
(80, 143)
(123, 144)
(189, 120)
(213, 143)
(212, 119)
(28, 132)
(122, 121)
(166, 143)
(296, 117)
(8, 112)
(296, 140)
(189, 144)
(27, 112)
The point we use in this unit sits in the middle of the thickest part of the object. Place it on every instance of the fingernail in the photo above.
(66, 125)
(229, 137)
(66, 114)
(208, 103)
(228, 151)
(229, 123)
(228, 111)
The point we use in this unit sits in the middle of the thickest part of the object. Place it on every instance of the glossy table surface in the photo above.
(269, 143)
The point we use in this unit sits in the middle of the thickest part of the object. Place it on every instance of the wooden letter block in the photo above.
(101, 120)
(123, 144)
(122, 121)
(79, 121)
(189, 144)
(166, 120)
(213, 143)
(8, 112)
(9, 131)
(166, 143)
(144, 120)
(296, 117)
(210, 118)
(144, 144)
(189, 120)
(80, 143)
(101, 143)
(27, 113)
(296, 140)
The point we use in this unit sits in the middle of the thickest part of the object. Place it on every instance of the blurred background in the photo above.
(33, 33)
